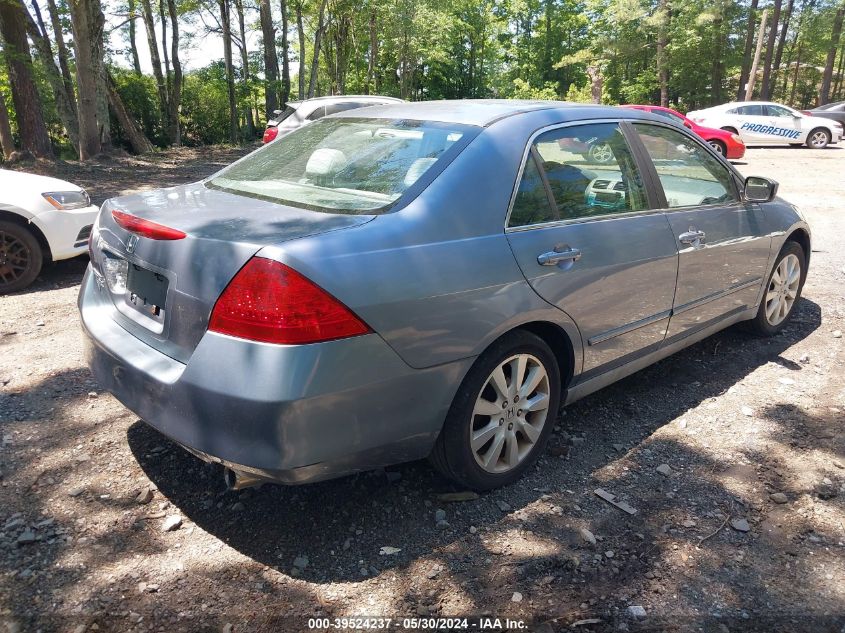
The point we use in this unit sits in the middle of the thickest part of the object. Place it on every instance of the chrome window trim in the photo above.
(527, 150)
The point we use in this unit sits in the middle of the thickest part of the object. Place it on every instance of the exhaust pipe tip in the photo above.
(239, 480)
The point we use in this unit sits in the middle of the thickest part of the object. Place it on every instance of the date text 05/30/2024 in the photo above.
(417, 624)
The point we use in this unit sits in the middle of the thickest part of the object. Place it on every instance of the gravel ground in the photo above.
(731, 452)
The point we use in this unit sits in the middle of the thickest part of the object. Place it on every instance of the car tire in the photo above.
(782, 291)
(818, 138)
(719, 146)
(730, 129)
(21, 257)
(504, 449)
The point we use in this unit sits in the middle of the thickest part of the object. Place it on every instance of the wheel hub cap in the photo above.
(510, 413)
(783, 289)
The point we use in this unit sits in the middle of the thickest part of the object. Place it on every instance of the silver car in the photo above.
(299, 113)
(426, 280)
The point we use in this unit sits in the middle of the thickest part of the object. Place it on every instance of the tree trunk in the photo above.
(7, 141)
(65, 106)
(315, 59)
(284, 96)
(226, 24)
(782, 39)
(749, 43)
(373, 61)
(271, 60)
(662, 42)
(752, 76)
(717, 65)
(133, 46)
(164, 47)
(300, 30)
(765, 88)
(61, 49)
(250, 121)
(161, 85)
(140, 143)
(596, 82)
(99, 70)
(30, 118)
(839, 70)
(827, 75)
(87, 19)
(175, 101)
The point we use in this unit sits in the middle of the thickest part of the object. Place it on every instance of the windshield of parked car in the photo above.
(343, 165)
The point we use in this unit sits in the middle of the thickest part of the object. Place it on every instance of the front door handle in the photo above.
(553, 258)
(692, 237)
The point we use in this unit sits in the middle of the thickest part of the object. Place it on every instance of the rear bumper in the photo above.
(287, 413)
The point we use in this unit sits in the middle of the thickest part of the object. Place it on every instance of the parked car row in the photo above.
(767, 123)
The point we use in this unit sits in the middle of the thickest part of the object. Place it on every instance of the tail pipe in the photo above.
(238, 479)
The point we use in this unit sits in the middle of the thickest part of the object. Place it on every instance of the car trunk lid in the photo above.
(164, 290)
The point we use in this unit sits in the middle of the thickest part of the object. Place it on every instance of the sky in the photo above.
(197, 48)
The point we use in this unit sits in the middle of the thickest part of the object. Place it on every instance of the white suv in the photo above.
(41, 220)
(299, 113)
(766, 123)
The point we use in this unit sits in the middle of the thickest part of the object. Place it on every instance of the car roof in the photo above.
(484, 112)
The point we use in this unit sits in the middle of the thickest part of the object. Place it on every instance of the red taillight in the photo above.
(270, 134)
(806, 112)
(272, 303)
(146, 228)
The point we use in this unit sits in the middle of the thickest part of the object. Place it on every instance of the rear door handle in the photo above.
(692, 237)
(554, 257)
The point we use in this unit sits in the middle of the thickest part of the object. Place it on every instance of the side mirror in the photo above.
(759, 189)
(687, 124)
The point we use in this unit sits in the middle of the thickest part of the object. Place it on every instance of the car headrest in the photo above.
(325, 162)
(417, 169)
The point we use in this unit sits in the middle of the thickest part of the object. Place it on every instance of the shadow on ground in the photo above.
(330, 522)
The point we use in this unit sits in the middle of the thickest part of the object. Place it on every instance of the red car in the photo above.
(727, 144)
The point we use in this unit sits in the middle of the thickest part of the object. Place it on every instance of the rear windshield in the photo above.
(283, 114)
(346, 165)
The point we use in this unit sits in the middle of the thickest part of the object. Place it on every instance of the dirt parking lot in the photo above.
(743, 529)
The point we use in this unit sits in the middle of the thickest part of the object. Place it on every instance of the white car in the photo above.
(765, 123)
(42, 220)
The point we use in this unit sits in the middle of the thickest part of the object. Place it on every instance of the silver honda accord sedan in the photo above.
(426, 280)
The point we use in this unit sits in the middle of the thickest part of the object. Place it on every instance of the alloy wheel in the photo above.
(510, 413)
(718, 147)
(601, 153)
(783, 289)
(818, 139)
(14, 258)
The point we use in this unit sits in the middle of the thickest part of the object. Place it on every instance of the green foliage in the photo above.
(205, 106)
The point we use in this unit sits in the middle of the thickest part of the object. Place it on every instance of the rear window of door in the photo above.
(778, 111)
(578, 172)
(689, 174)
(334, 108)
